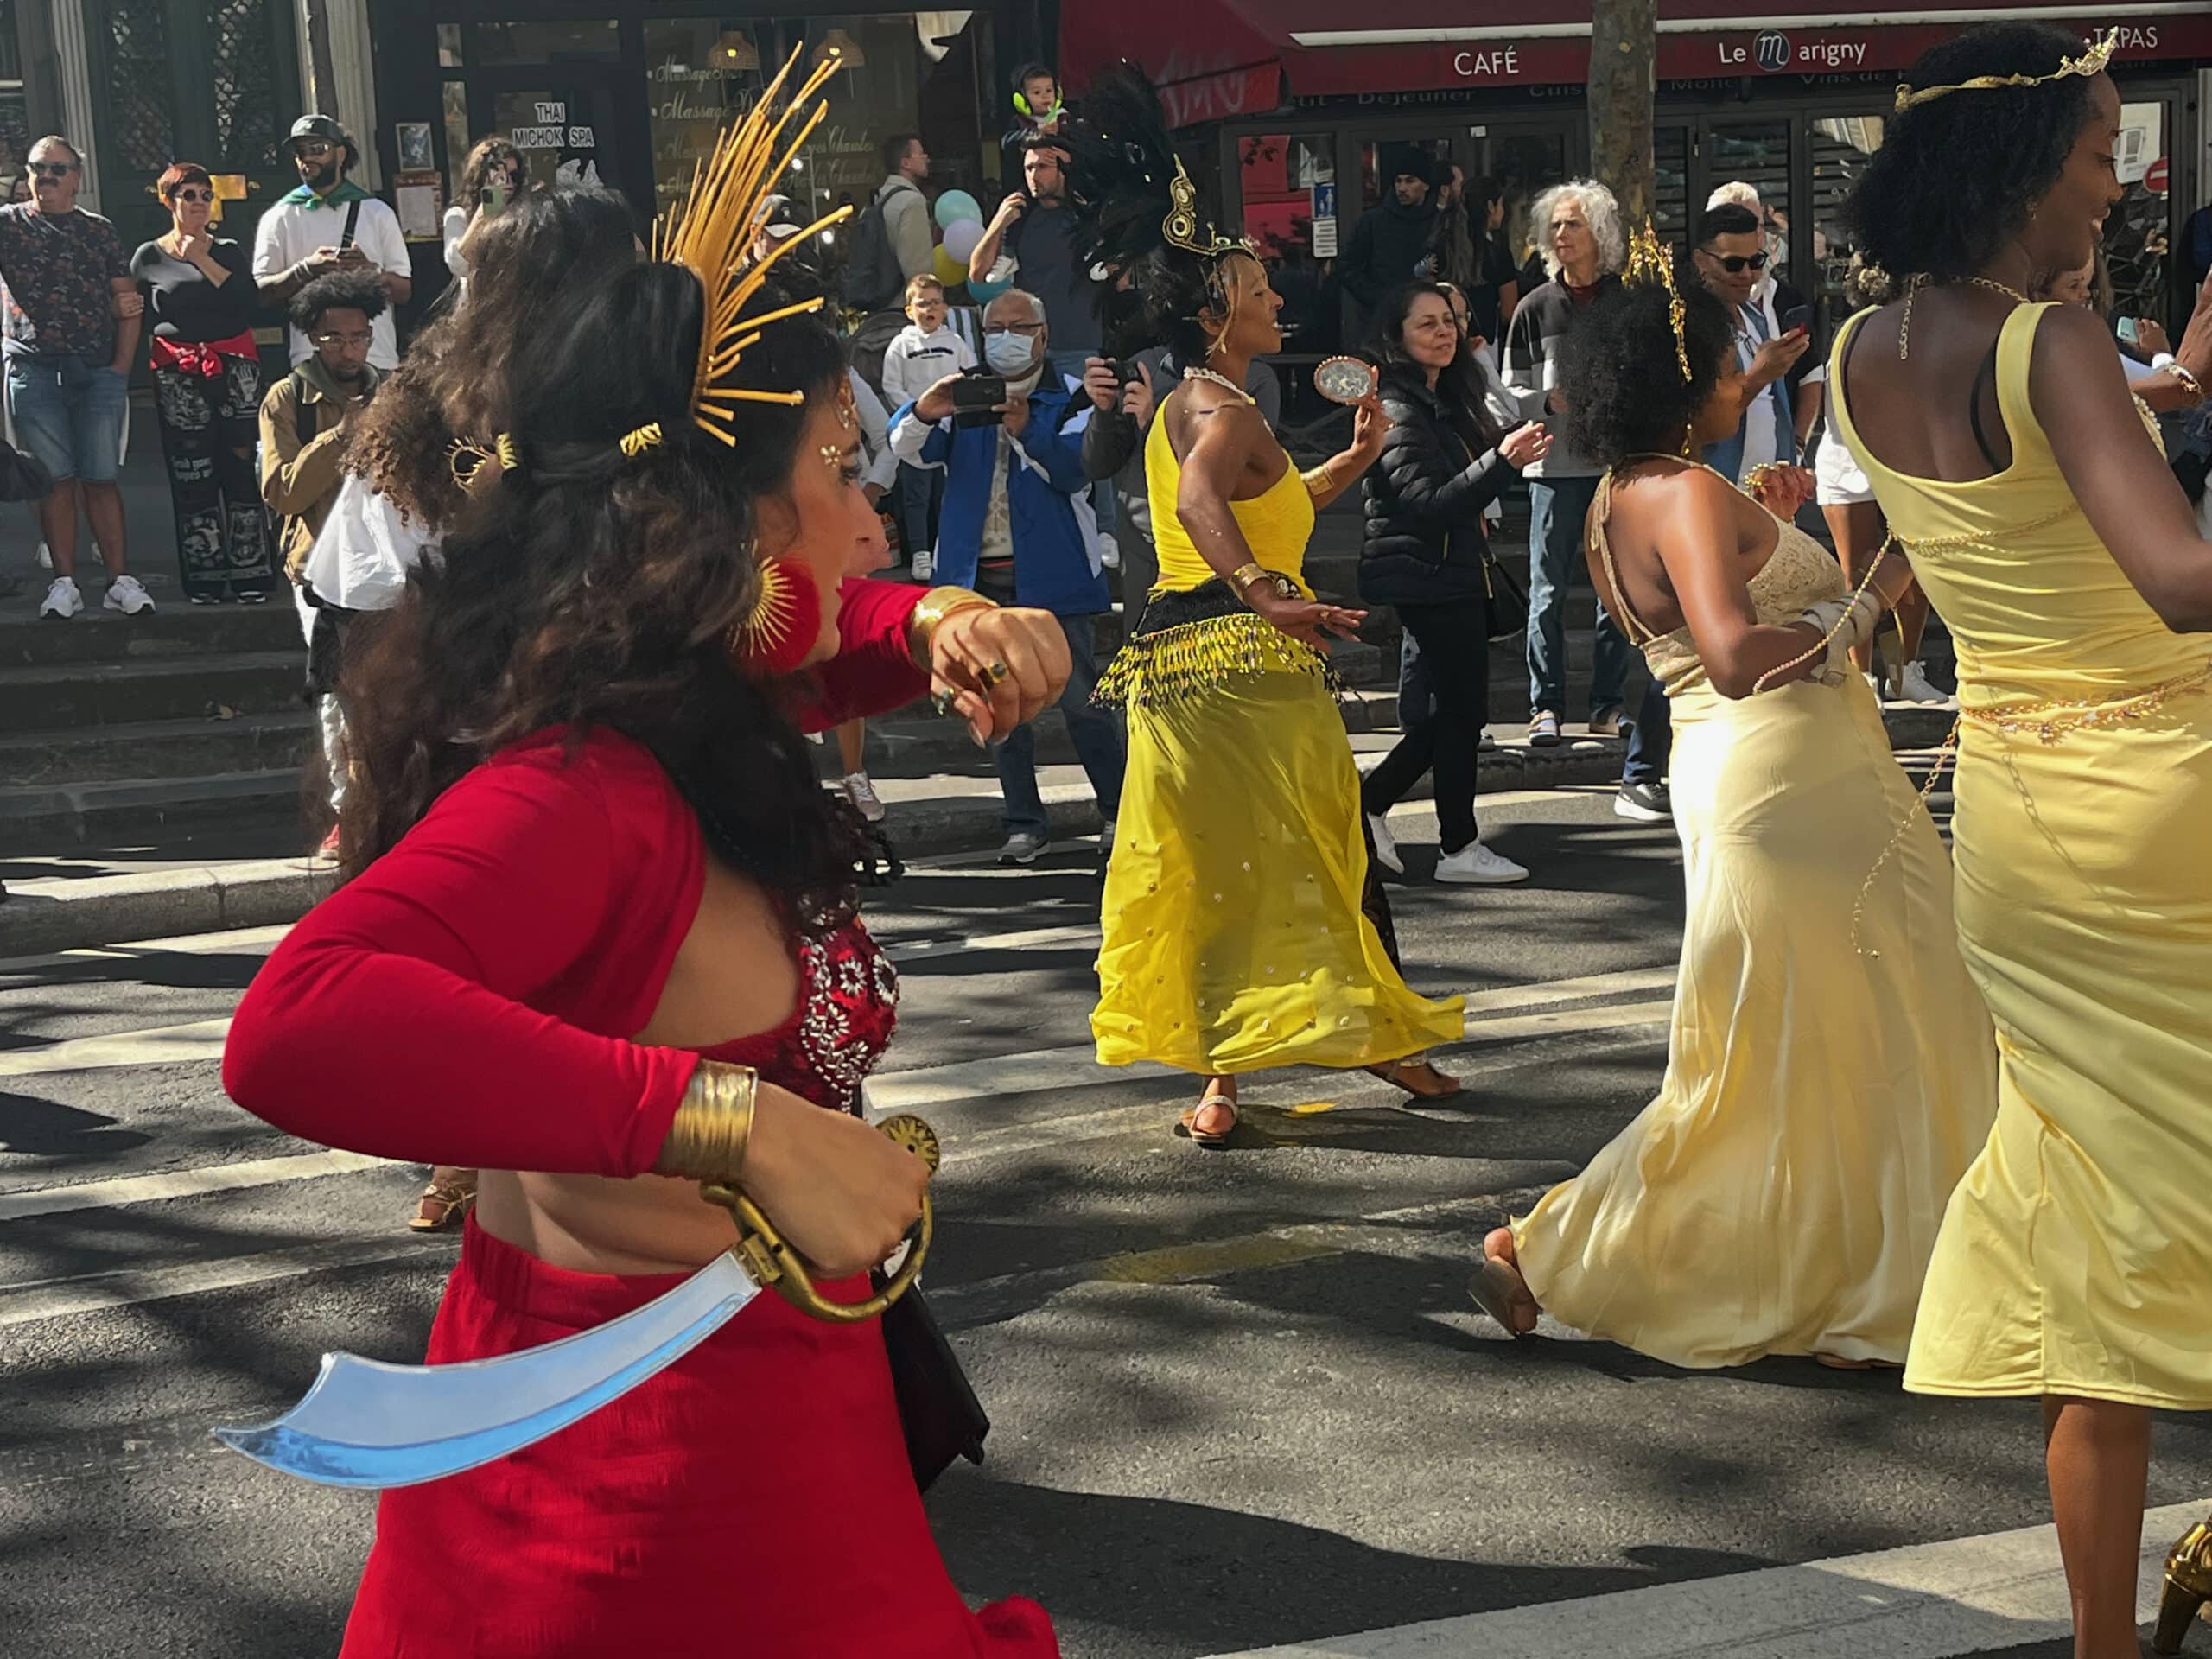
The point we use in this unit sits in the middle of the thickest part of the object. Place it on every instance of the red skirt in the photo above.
(753, 1499)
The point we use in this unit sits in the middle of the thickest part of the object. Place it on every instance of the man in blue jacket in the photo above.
(1016, 525)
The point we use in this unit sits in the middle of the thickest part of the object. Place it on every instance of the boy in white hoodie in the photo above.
(925, 352)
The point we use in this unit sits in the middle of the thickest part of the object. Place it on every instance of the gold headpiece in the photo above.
(1184, 229)
(712, 231)
(2091, 62)
(1649, 262)
(467, 459)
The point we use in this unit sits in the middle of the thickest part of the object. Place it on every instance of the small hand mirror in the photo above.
(1344, 379)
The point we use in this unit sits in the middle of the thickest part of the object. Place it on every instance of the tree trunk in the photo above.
(1623, 76)
(323, 78)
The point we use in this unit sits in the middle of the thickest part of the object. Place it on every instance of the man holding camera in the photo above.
(331, 223)
(1016, 525)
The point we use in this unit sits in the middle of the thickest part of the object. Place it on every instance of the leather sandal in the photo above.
(442, 1208)
(1394, 1071)
(1188, 1125)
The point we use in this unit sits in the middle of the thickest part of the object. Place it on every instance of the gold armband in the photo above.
(1320, 480)
(1245, 575)
(937, 604)
(713, 1124)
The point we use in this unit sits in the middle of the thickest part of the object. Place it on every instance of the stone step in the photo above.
(104, 636)
(46, 816)
(77, 695)
(158, 748)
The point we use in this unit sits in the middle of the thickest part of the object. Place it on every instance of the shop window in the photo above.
(141, 127)
(1841, 148)
(14, 117)
(1670, 184)
(553, 41)
(449, 55)
(459, 139)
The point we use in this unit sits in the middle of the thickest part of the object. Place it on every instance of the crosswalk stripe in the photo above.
(183, 1183)
(99, 1293)
(1924, 1601)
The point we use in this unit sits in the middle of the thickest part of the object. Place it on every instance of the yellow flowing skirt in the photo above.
(1782, 1193)
(1234, 940)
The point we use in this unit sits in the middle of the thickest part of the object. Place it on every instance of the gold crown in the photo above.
(712, 230)
(2091, 62)
(1649, 262)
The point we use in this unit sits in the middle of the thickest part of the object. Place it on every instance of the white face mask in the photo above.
(1008, 354)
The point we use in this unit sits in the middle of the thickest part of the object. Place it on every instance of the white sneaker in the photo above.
(45, 557)
(861, 793)
(924, 563)
(1488, 744)
(62, 599)
(1919, 688)
(1109, 553)
(1386, 845)
(129, 596)
(1476, 866)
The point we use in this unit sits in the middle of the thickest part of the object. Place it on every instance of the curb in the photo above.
(62, 914)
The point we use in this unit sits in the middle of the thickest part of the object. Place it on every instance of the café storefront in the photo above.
(1293, 110)
(633, 95)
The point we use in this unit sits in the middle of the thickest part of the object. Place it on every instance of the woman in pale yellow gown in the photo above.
(1830, 1072)
(2075, 1261)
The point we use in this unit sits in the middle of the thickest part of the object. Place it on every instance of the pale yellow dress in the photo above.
(1782, 1192)
(1234, 938)
(2077, 1254)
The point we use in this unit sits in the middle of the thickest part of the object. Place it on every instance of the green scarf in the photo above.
(346, 191)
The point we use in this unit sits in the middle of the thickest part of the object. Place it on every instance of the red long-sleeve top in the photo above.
(469, 999)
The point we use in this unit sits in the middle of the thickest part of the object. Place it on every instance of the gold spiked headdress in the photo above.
(2091, 62)
(1649, 262)
(712, 232)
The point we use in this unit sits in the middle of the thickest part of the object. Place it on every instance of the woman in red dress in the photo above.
(597, 896)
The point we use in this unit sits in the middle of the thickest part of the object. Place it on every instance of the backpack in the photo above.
(874, 277)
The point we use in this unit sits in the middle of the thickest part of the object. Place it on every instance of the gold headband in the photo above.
(712, 232)
(2091, 62)
(1649, 262)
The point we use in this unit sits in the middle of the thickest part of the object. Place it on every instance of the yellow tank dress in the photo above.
(2076, 1255)
(1782, 1192)
(1234, 939)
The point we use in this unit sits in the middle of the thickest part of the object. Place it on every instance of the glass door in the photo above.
(2139, 233)
(565, 118)
(1287, 189)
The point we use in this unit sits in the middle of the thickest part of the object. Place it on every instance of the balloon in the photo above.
(960, 239)
(956, 205)
(985, 291)
(950, 271)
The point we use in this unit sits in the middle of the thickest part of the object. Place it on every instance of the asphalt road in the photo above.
(1241, 1399)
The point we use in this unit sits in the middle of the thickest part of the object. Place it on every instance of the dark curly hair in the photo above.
(550, 243)
(337, 290)
(1622, 380)
(589, 588)
(1956, 177)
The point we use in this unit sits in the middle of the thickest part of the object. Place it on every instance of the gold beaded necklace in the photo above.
(1913, 287)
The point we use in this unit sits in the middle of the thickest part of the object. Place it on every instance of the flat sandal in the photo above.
(1215, 1139)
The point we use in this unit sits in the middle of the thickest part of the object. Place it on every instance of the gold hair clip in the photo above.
(711, 233)
(467, 459)
(648, 436)
(1649, 262)
(2091, 62)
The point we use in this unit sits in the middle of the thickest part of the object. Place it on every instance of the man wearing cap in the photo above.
(331, 223)
(1391, 238)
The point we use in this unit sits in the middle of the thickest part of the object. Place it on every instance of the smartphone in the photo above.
(1798, 319)
(493, 200)
(977, 396)
(2127, 329)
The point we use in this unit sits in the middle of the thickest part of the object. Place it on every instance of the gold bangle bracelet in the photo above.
(707, 1140)
(1245, 575)
(936, 605)
(2189, 382)
(1320, 479)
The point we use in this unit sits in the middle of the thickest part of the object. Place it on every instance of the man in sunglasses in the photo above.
(331, 223)
(1732, 257)
(71, 327)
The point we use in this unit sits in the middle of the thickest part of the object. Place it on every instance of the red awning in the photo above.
(1215, 58)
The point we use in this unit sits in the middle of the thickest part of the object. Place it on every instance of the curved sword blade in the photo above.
(366, 1422)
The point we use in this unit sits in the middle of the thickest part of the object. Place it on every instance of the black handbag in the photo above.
(1509, 600)
(938, 1413)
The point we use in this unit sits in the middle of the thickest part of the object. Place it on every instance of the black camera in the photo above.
(1125, 370)
(977, 396)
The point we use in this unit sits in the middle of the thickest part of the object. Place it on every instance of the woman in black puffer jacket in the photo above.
(1425, 556)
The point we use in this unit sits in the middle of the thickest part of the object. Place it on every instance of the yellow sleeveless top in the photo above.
(2038, 607)
(1278, 522)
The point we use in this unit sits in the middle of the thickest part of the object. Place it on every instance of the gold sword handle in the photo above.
(770, 1260)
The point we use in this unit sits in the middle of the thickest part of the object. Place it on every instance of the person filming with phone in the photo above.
(490, 179)
(1732, 257)
(331, 223)
(1017, 527)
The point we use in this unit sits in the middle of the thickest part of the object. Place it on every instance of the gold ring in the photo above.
(943, 701)
(996, 672)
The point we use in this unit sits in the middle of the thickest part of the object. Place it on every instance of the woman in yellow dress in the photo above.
(2044, 524)
(1235, 937)
(1829, 1073)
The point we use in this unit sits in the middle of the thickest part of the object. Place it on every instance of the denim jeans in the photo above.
(1097, 732)
(1557, 507)
(69, 413)
(1102, 492)
(1651, 740)
(919, 492)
